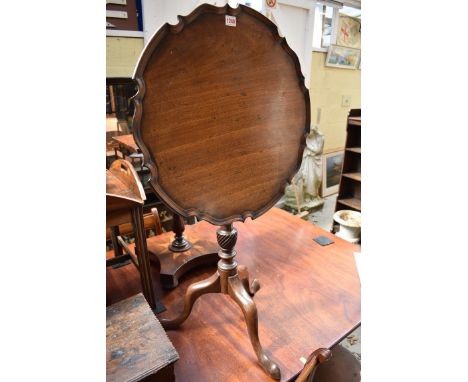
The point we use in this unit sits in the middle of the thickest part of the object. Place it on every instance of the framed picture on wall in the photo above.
(343, 57)
(332, 164)
(349, 32)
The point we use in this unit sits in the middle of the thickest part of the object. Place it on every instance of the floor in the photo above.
(323, 217)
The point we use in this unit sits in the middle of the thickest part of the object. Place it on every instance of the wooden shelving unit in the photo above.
(349, 194)
(353, 175)
(352, 203)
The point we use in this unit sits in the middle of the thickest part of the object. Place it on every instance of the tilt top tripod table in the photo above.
(221, 116)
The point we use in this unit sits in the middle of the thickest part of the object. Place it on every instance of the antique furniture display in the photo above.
(127, 143)
(124, 202)
(151, 221)
(179, 256)
(118, 94)
(349, 194)
(137, 347)
(176, 256)
(317, 357)
(309, 299)
(221, 109)
(129, 149)
(341, 367)
(334, 365)
(112, 148)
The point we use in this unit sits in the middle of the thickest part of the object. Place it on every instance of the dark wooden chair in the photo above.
(151, 221)
(337, 365)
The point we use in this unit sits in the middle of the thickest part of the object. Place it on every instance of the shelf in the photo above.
(349, 192)
(353, 175)
(351, 202)
(355, 121)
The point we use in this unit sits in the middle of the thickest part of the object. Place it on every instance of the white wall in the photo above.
(291, 21)
(292, 17)
(158, 12)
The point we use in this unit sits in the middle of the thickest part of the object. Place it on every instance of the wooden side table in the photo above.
(124, 202)
(221, 143)
(137, 346)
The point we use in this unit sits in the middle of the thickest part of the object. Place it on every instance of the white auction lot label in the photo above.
(231, 21)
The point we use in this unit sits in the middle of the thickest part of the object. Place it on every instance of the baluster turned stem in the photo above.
(227, 238)
(180, 243)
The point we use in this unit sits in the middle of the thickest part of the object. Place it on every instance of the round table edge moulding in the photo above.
(143, 60)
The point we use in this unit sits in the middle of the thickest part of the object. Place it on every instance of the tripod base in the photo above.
(234, 283)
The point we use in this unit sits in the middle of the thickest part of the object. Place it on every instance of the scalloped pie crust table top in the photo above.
(221, 114)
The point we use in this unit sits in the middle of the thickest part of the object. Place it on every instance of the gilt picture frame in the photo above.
(343, 57)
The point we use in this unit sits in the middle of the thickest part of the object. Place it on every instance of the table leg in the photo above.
(118, 253)
(227, 280)
(115, 232)
(143, 258)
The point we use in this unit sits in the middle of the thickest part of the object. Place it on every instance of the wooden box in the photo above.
(138, 348)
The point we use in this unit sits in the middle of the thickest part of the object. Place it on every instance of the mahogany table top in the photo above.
(127, 141)
(309, 298)
(221, 113)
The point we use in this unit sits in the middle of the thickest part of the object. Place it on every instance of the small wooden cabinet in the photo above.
(349, 194)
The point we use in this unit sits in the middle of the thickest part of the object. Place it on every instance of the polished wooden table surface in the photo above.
(127, 141)
(309, 298)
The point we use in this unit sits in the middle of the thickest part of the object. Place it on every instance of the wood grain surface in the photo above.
(117, 188)
(137, 345)
(123, 192)
(175, 264)
(122, 182)
(221, 113)
(309, 298)
(127, 141)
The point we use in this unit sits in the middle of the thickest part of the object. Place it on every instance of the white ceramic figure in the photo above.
(303, 192)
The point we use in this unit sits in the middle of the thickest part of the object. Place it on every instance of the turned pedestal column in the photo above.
(232, 280)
